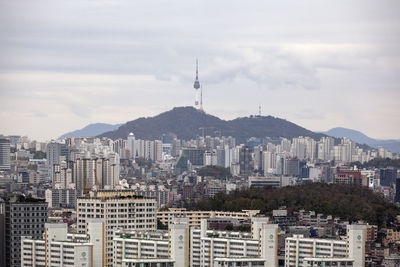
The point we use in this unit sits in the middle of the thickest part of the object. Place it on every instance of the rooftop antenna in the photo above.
(259, 110)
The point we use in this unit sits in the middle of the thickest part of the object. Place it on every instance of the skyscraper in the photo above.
(54, 151)
(4, 154)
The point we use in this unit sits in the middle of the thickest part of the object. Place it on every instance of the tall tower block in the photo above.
(197, 86)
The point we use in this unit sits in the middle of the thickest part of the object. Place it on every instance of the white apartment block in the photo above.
(159, 249)
(57, 248)
(223, 248)
(297, 248)
(195, 216)
(118, 209)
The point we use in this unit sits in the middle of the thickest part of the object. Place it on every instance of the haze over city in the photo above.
(320, 64)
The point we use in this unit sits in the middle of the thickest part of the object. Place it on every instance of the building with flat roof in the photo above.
(58, 248)
(154, 248)
(195, 216)
(119, 209)
(223, 248)
(298, 248)
(23, 216)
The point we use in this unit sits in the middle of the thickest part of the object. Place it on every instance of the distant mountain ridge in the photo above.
(359, 137)
(91, 130)
(186, 123)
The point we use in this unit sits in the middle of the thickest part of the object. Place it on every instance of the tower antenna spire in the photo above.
(196, 86)
(201, 97)
(197, 69)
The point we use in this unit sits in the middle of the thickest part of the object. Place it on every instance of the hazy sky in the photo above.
(320, 64)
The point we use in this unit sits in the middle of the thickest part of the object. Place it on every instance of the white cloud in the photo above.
(323, 64)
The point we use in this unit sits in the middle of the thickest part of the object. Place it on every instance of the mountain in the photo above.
(91, 130)
(359, 137)
(186, 123)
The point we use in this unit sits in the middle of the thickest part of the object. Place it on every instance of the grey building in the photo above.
(4, 154)
(194, 155)
(53, 153)
(22, 216)
(291, 167)
(245, 161)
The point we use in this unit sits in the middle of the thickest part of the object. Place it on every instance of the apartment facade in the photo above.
(223, 248)
(160, 249)
(118, 209)
(22, 217)
(297, 248)
(56, 248)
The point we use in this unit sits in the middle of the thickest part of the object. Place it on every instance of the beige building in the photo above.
(58, 248)
(118, 209)
(195, 216)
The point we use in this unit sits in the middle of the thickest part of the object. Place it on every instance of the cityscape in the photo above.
(205, 177)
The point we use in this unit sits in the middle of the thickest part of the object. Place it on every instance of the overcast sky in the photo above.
(320, 64)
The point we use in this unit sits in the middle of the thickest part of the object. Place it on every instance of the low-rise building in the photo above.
(195, 216)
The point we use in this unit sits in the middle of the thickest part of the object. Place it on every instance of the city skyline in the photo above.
(324, 65)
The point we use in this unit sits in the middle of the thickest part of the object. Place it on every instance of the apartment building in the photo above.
(58, 248)
(195, 217)
(156, 248)
(223, 248)
(297, 248)
(118, 209)
(22, 216)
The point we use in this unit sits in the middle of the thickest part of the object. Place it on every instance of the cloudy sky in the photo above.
(320, 64)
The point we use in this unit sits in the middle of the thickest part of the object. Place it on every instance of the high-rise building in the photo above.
(245, 161)
(53, 153)
(195, 156)
(119, 209)
(387, 176)
(23, 216)
(99, 172)
(4, 154)
(397, 196)
(291, 167)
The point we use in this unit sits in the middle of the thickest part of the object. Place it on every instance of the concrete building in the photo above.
(61, 198)
(155, 248)
(159, 192)
(298, 248)
(195, 217)
(119, 209)
(54, 151)
(222, 248)
(22, 217)
(4, 154)
(58, 248)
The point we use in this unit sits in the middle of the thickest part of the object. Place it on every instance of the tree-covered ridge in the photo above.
(215, 171)
(346, 202)
(187, 122)
(379, 163)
